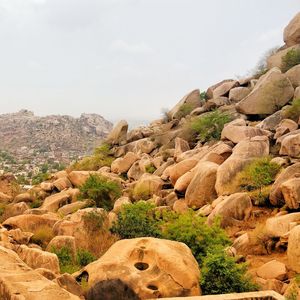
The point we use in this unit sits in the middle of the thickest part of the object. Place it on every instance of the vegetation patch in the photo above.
(209, 127)
(103, 191)
(293, 111)
(100, 158)
(184, 110)
(137, 220)
(150, 169)
(291, 59)
(42, 236)
(70, 264)
(259, 173)
(220, 274)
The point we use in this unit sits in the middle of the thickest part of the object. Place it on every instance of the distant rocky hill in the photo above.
(59, 138)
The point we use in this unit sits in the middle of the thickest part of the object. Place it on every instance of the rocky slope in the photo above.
(241, 165)
(35, 139)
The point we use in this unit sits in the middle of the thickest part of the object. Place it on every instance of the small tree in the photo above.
(137, 220)
(221, 274)
(192, 230)
(101, 190)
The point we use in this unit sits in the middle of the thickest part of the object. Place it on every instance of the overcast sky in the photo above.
(128, 58)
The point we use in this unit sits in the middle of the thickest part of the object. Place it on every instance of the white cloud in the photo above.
(138, 48)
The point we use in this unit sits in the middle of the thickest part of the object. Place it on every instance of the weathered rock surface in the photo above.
(238, 93)
(243, 153)
(280, 225)
(123, 164)
(290, 145)
(272, 270)
(291, 34)
(276, 197)
(118, 135)
(293, 251)
(293, 75)
(18, 281)
(237, 133)
(272, 91)
(151, 267)
(291, 192)
(192, 100)
(36, 258)
(201, 190)
(234, 208)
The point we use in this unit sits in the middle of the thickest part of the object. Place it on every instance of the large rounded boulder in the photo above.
(152, 268)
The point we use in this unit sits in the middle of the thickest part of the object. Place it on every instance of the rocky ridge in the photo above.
(166, 165)
(29, 141)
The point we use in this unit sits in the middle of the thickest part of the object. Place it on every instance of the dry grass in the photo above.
(100, 239)
(42, 236)
(141, 192)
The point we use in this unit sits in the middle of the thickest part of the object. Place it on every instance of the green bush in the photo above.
(100, 158)
(150, 169)
(209, 126)
(293, 111)
(220, 274)
(259, 173)
(203, 96)
(192, 230)
(84, 257)
(101, 190)
(137, 220)
(40, 177)
(291, 59)
(70, 264)
(140, 220)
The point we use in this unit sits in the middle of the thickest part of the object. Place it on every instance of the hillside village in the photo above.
(204, 201)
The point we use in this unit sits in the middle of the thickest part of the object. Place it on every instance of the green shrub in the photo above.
(40, 177)
(259, 173)
(209, 126)
(100, 158)
(203, 96)
(150, 169)
(84, 257)
(140, 220)
(137, 220)
(70, 264)
(220, 274)
(101, 190)
(291, 59)
(293, 111)
(192, 230)
(36, 203)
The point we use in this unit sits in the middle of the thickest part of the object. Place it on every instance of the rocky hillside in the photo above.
(204, 201)
(30, 140)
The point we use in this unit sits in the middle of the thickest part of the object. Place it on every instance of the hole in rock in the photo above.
(152, 287)
(141, 266)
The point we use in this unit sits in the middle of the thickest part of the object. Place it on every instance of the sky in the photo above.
(128, 59)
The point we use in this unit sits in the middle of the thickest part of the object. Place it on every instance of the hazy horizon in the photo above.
(128, 59)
